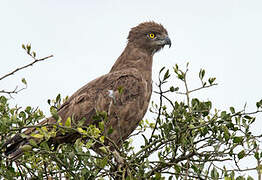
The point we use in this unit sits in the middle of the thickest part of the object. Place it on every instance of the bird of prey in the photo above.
(132, 73)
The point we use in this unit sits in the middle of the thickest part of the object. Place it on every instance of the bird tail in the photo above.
(16, 145)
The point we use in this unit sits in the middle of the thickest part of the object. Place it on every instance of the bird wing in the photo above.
(122, 94)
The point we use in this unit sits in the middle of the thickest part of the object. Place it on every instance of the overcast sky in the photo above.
(86, 37)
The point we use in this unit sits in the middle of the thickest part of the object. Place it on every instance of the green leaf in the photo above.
(240, 178)
(181, 76)
(249, 178)
(23, 46)
(53, 111)
(45, 145)
(32, 142)
(201, 73)
(157, 176)
(34, 54)
(103, 149)
(28, 48)
(22, 114)
(28, 109)
(38, 136)
(227, 178)
(80, 130)
(259, 104)
(167, 75)
(68, 122)
(211, 80)
(26, 147)
(175, 69)
(172, 89)
(247, 117)
(102, 162)
(241, 154)
(256, 155)
(58, 98)
(102, 139)
(237, 139)
(24, 81)
(214, 174)
(232, 109)
(110, 131)
(44, 128)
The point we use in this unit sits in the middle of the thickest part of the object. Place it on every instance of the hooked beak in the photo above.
(167, 41)
(164, 41)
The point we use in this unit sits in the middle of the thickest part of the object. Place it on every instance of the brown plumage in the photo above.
(131, 73)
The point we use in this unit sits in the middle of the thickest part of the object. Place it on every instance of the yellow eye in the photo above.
(151, 35)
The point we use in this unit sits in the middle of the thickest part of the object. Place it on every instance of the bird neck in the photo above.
(134, 57)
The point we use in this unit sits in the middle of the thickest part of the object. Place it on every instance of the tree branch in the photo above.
(23, 67)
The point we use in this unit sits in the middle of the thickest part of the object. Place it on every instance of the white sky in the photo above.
(86, 37)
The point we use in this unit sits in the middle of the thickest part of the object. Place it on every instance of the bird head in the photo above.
(150, 36)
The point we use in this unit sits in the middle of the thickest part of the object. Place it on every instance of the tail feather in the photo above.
(13, 146)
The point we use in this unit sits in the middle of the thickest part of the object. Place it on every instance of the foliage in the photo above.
(184, 140)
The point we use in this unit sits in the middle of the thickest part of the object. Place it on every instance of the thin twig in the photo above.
(15, 91)
(23, 67)
(197, 89)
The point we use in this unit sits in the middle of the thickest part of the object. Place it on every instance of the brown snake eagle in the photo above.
(132, 72)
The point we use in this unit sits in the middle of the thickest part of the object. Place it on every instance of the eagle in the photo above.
(124, 93)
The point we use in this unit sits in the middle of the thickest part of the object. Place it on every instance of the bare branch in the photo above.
(23, 67)
(15, 91)
(197, 89)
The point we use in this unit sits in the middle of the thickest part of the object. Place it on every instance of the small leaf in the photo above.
(39, 136)
(172, 89)
(103, 149)
(232, 109)
(24, 81)
(58, 98)
(249, 178)
(102, 139)
(26, 147)
(44, 128)
(32, 142)
(28, 47)
(259, 104)
(167, 75)
(110, 131)
(181, 76)
(237, 140)
(241, 154)
(45, 145)
(68, 122)
(201, 73)
(23, 46)
(34, 54)
(80, 130)
(211, 80)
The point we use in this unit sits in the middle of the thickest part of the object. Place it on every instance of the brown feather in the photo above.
(132, 72)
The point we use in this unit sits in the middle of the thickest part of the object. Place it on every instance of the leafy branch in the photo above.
(32, 54)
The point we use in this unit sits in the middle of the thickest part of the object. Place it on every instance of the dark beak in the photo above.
(167, 41)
